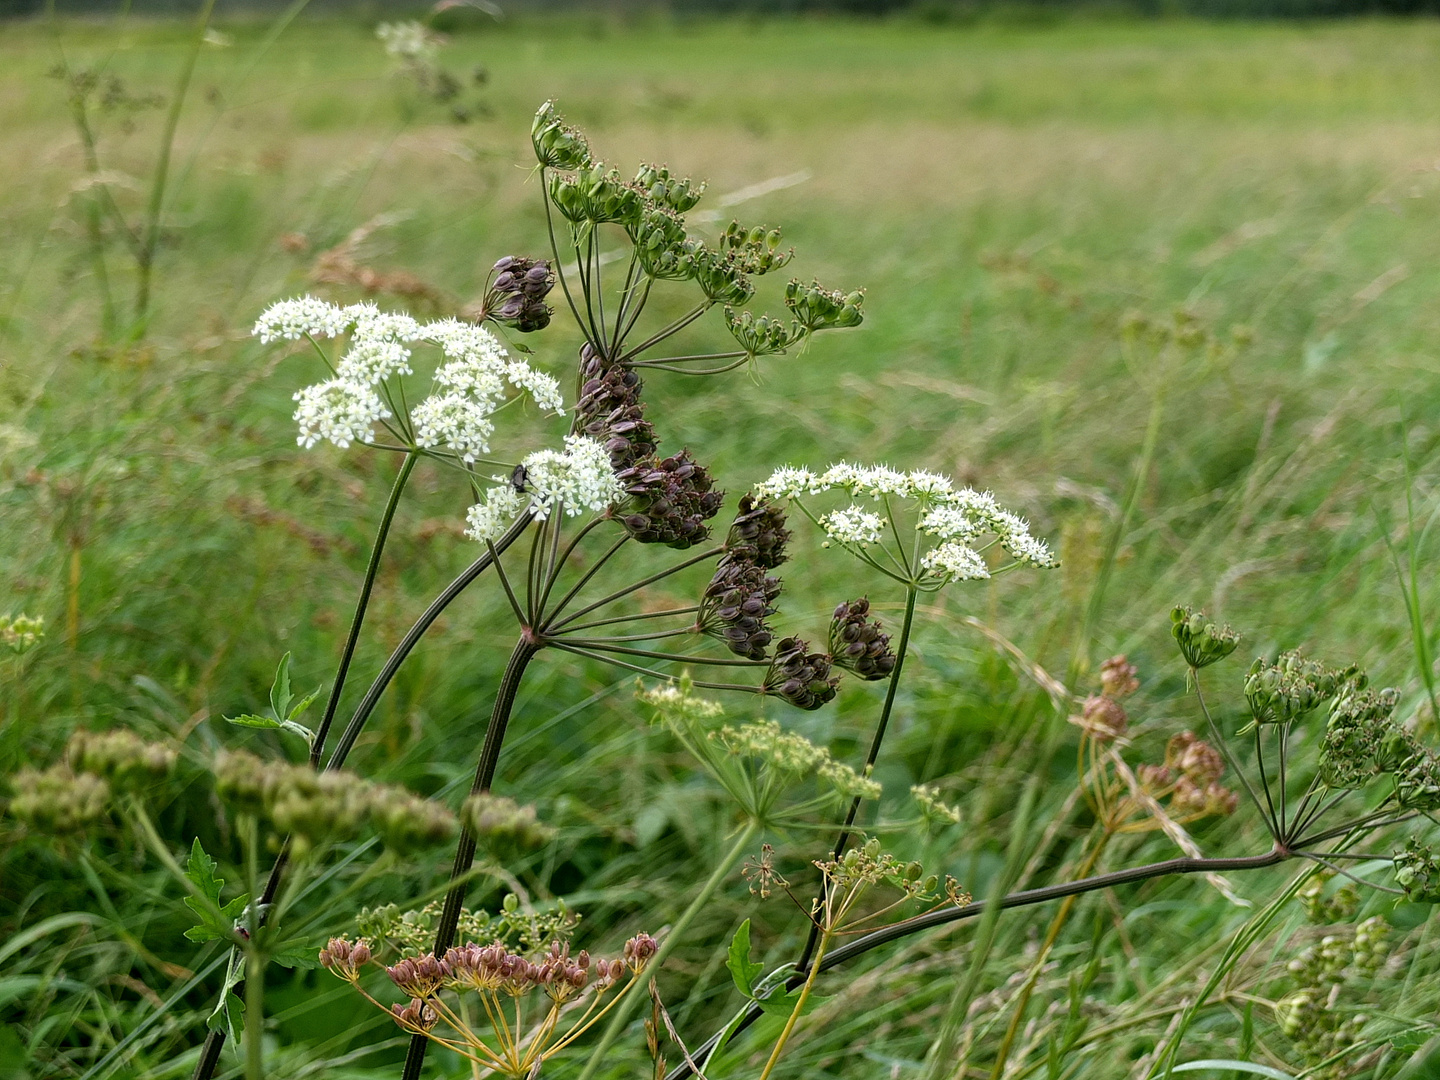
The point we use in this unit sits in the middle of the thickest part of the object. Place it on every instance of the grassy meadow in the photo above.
(1012, 197)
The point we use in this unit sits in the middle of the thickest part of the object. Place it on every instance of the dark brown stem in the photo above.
(945, 916)
(525, 650)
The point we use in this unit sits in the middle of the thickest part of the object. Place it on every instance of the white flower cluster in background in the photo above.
(958, 518)
(577, 479)
(408, 40)
(472, 383)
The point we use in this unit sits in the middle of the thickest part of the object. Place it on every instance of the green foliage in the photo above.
(217, 920)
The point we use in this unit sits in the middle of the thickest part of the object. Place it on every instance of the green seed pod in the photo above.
(1201, 643)
(557, 146)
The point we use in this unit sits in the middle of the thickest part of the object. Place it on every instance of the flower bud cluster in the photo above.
(516, 297)
(669, 500)
(125, 760)
(1417, 781)
(1313, 1016)
(345, 958)
(328, 805)
(594, 195)
(1417, 871)
(1190, 777)
(794, 755)
(867, 864)
(761, 335)
(800, 676)
(816, 308)
(1323, 910)
(857, 644)
(1118, 677)
(499, 822)
(21, 633)
(1103, 717)
(57, 800)
(678, 194)
(557, 145)
(417, 1016)
(741, 595)
(1291, 687)
(1361, 740)
(1202, 643)
(932, 805)
(755, 250)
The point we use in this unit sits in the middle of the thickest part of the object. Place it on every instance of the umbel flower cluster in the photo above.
(577, 991)
(79, 790)
(474, 380)
(955, 527)
(328, 806)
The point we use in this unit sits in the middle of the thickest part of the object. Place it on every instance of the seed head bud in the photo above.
(755, 250)
(669, 501)
(244, 781)
(1103, 717)
(758, 534)
(856, 643)
(417, 1016)
(501, 823)
(344, 959)
(1417, 781)
(1291, 687)
(638, 951)
(595, 195)
(516, 296)
(1118, 678)
(761, 335)
(800, 676)
(1202, 643)
(21, 633)
(128, 762)
(676, 193)
(557, 146)
(58, 800)
(1361, 740)
(816, 308)
(721, 275)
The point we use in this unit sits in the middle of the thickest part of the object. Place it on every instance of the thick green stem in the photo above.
(799, 1006)
(317, 748)
(626, 1004)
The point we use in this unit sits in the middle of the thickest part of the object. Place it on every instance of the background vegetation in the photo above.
(1006, 193)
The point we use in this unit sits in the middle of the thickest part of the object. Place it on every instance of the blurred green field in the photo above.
(1007, 195)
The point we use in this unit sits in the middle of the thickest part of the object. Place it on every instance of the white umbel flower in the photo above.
(487, 521)
(372, 360)
(460, 423)
(950, 522)
(853, 525)
(955, 562)
(580, 478)
(543, 388)
(788, 482)
(873, 480)
(290, 320)
(338, 410)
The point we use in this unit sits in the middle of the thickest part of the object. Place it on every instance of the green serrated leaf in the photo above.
(297, 955)
(742, 969)
(200, 869)
(1234, 1066)
(304, 703)
(249, 720)
(229, 1013)
(280, 692)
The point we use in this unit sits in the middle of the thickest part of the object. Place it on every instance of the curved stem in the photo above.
(901, 648)
(215, 1041)
(634, 618)
(317, 747)
(547, 622)
(640, 670)
(626, 1002)
(674, 328)
(524, 652)
(945, 916)
(555, 251)
(603, 645)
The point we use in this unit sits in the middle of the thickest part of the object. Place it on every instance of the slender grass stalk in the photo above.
(627, 1002)
(150, 235)
(794, 1017)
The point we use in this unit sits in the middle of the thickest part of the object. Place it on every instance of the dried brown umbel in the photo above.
(610, 411)
(856, 642)
(669, 501)
(1118, 677)
(800, 676)
(758, 534)
(736, 603)
(1103, 717)
(345, 958)
(516, 296)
